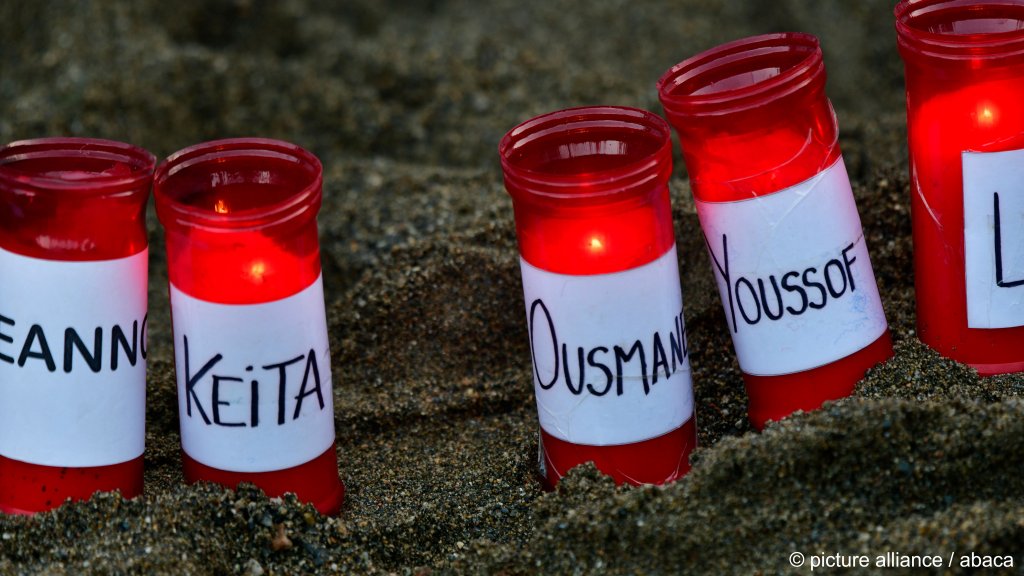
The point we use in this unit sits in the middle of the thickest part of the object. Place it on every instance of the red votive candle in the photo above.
(247, 305)
(760, 142)
(965, 88)
(604, 307)
(73, 264)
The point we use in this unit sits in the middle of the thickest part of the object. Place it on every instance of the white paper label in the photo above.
(794, 275)
(611, 364)
(72, 360)
(254, 381)
(994, 238)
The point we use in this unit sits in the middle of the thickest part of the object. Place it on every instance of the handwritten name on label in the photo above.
(610, 358)
(994, 238)
(72, 360)
(794, 275)
(254, 381)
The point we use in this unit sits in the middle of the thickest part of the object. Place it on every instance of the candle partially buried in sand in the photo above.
(247, 304)
(760, 142)
(73, 264)
(604, 307)
(965, 84)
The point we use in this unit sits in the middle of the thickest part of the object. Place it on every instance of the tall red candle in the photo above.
(250, 332)
(965, 84)
(73, 264)
(760, 142)
(604, 306)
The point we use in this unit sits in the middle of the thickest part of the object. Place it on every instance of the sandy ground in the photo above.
(405, 104)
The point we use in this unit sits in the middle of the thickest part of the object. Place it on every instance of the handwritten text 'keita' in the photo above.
(202, 383)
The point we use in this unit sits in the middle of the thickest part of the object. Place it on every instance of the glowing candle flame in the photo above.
(220, 207)
(257, 271)
(596, 245)
(986, 116)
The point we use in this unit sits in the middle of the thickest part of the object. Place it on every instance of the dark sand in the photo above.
(435, 416)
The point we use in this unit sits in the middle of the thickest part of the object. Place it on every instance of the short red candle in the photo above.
(759, 136)
(253, 368)
(73, 262)
(603, 302)
(965, 84)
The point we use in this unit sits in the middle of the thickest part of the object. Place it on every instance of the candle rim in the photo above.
(797, 75)
(953, 46)
(140, 162)
(305, 199)
(603, 185)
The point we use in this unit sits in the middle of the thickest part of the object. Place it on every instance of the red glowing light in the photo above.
(248, 236)
(71, 200)
(963, 95)
(589, 188)
(753, 119)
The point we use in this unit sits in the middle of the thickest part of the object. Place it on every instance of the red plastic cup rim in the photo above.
(682, 92)
(633, 177)
(173, 211)
(916, 36)
(140, 162)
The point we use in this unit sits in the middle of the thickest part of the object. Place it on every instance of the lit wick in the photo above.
(257, 271)
(986, 117)
(220, 207)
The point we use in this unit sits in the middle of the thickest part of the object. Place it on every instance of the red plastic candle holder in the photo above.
(247, 304)
(73, 295)
(760, 142)
(965, 84)
(604, 306)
